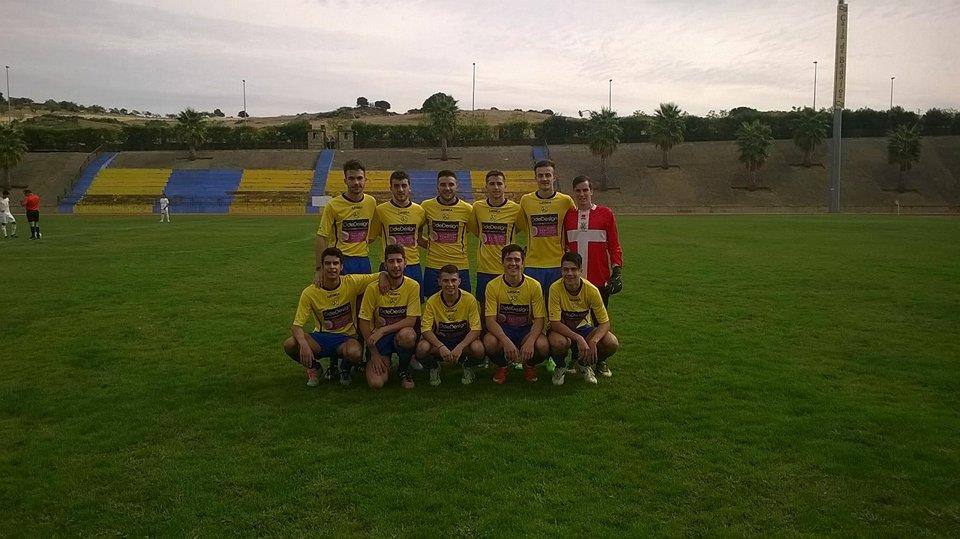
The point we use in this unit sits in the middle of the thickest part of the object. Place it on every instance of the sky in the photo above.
(315, 55)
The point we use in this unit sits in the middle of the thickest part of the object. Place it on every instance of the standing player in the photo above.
(574, 303)
(31, 203)
(331, 306)
(398, 220)
(6, 216)
(494, 223)
(451, 328)
(515, 315)
(345, 223)
(542, 215)
(591, 231)
(388, 319)
(164, 207)
(447, 219)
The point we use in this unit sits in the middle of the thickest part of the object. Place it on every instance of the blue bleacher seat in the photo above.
(86, 179)
(423, 184)
(320, 173)
(202, 191)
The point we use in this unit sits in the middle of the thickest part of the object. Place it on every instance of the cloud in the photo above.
(300, 55)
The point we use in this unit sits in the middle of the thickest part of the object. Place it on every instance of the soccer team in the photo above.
(543, 302)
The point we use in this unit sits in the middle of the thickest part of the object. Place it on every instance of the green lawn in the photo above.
(779, 375)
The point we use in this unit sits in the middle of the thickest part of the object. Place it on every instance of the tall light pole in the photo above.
(814, 85)
(839, 100)
(7, 68)
(610, 95)
(891, 92)
(244, 82)
(474, 105)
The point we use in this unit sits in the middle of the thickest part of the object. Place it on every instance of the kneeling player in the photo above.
(388, 319)
(331, 306)
(451, 328)
(574, 302)
(514, 313)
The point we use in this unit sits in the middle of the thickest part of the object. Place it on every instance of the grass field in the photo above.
(779, 375)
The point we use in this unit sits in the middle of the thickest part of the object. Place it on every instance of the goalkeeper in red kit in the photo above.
(591, 231)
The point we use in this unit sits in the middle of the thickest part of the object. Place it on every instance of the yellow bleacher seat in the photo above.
(378, 181)
(272, 191)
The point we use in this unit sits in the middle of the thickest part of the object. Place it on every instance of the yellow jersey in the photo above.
(451, 322)
(393, 306)
(346, 224)
(447, 227)
(495, 227)
(516, 306)
(396, 224)
(332, 309)
(574, 309)
(542, 218)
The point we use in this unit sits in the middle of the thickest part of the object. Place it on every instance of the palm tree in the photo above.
(754, 139)
(809, 131)
(903, 149)
(12, 148)
(667, 128)
(603, 134)
(192, 129)
(441, 110)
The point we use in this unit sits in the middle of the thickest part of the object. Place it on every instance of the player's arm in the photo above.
(320, 243)
(493, 328)
(421, 242)
(529, 342)
(296, 330)
(407, 322)
(615, 252)
(365, 316)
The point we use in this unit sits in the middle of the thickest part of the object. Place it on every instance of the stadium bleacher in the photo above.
(321, 172)
(266, 191)
(202, 191)
(518, 182)
(540, 153)
(86, 178)
(124, 190)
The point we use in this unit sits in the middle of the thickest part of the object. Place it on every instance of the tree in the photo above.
(218, 113)
(243, 114)
(667, 129)
(603, 135)
(903, 149)
(382, 105)
(192, 129)
(363, 102)
(809, 131)
(441, 112)
(754, 139)
(12, 148)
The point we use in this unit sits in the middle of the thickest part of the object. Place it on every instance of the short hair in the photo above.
(6, 193)
(332, 251)
(354, 164)
(512, 248)
(544, 163)
(399, 175)
(393, 249)
(572, 257)
(493, 173)
(582, 178)
(446, 173)
(450, 268)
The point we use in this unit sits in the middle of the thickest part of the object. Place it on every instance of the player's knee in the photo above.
(541, 347)
(375, 381)
(609, 344)
(558, 343)
(423, 348)
(491, 344)
(291, 348)
(477, 350)
(351, 351)
(406, 338)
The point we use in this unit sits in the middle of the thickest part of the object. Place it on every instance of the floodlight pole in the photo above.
(815, 85)
(610, 95)
(474, 104)
(891, 92)
(244, 82)
(839, 95)
(9, 103)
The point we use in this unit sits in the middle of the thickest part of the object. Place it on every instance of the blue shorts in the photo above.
(450, 341)
(483, 279)
(584, 331)
(387, 346)
(329, 342)
(353, 265)
(431, 281)
(516, 334)
(544, 276)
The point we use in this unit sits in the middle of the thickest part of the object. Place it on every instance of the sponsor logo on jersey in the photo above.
(404, 235)
(445, 231)
(573, 319)
(391, 315)
(544, 224)
(337, 318)
(355, 230)
(451, 330)
(514, 315)
(494, 233)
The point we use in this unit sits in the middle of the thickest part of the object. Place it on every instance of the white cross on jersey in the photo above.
(584, 236)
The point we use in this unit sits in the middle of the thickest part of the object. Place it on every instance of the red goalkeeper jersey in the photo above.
(593, 234)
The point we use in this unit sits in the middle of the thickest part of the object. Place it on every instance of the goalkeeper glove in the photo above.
(615, 284)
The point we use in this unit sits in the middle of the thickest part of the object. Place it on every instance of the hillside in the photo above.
(700, 178)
